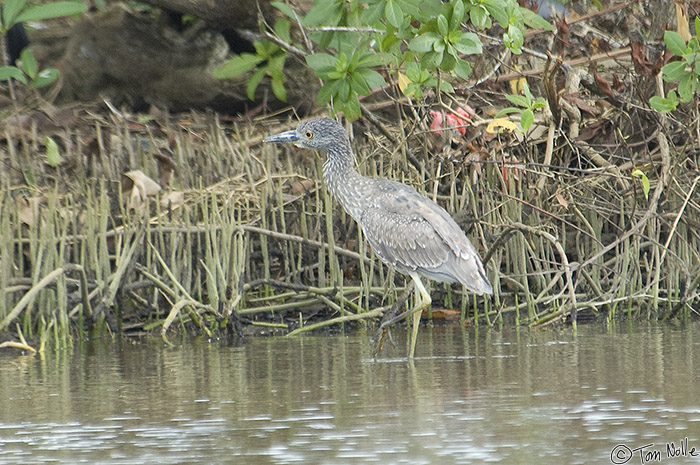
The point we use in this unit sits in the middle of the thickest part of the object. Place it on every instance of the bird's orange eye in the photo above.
(309, 134)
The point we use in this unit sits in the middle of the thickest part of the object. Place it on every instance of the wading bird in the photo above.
(407, 231)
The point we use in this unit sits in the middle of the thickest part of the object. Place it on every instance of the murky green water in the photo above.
(487, 396)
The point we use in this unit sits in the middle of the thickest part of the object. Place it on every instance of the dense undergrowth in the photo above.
(256, 241)
(592, 215)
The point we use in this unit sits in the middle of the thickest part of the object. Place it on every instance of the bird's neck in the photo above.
(344, 182)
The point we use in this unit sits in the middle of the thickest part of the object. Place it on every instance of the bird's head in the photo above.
(322, 133)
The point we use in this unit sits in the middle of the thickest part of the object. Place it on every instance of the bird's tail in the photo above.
(473, 276)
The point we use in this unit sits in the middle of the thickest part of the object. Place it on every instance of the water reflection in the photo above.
(471, 396)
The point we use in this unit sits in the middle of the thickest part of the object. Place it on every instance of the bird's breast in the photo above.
(350, 189)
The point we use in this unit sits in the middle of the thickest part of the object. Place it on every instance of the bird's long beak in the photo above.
(283, 137)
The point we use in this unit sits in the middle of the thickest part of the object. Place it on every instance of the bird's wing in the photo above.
(412, 233)
(404, 241)
(409, 229)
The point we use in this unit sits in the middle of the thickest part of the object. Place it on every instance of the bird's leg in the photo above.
(390, 318)
(423, 301)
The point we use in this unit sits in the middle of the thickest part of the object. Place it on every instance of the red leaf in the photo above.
(639, 58)
(603, 86)
(561, 40)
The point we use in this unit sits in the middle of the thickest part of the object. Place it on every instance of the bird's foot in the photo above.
(380, 338)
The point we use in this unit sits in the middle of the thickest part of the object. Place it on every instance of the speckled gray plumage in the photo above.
(408, 231)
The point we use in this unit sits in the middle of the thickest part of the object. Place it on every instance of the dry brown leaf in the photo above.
(561, 40)
(475, 153)
(639, 58)
(511, 169)
(303, 186)
(618, 84)
(444, 314)
(137, 187)
(537, 131)
(561, 198)
(166, 168)
(172, 200)
(581, 104)
(28, 209)
(595, 128)
(682, 26)
(603, 86)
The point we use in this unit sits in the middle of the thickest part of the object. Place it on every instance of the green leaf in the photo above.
(534, 20)
(278, 88)
(469, 44)
(275, 65)
(373, 13)
(392, 44)
(439, 46)
(359, 84)
(539, 103)
(526, 92)
(326, 92)
(319, 61)
(342, 63)
(514, 39)
(448, 62)
(371, 59)
(351, 108)
(29, 64)
(282, 29)
(393, 13)
(413, 90)
(645, 181)
(519, 100)
(463, 69)
(413, 71)
(253, 83)
(674, 71)
(424, 42)
(51, 10)
(526, 119)
(327, 13)
(507, 111)
(675, 43)
(425, 10)
(45, 77)
(53, 157)
(431, 60)
(445, 87)
(12, 72)
(373, 78)
(457, 15)
(335, 75)
(497, 9)
(413, 8)
(323, 39)
(9, 13)
(261, 49)
(236, 66)
(480, 17)
(344, 90)
(685, 87)
(284, 8)
(454, 36)
(663, 105)
(443, 28)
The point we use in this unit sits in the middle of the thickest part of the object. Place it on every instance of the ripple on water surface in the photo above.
(471, 396)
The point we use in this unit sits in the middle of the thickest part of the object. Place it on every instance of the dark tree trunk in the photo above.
(149, 58)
